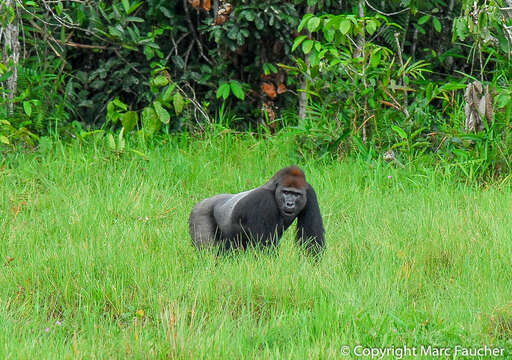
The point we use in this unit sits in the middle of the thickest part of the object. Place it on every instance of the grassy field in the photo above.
(97, 261)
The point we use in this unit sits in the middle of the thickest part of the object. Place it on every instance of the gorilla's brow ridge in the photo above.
(294, 177)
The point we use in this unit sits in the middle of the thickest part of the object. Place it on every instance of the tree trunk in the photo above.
(9, 35)
(303, 96)
(360, 52)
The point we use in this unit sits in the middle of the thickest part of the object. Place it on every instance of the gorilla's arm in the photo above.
(310, 229)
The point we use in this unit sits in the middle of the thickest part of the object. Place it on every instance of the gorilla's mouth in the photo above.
(288, 212)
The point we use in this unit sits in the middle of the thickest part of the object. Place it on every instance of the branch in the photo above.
(60, 22)
(194, 102)
(84, 46)
(194, 33)
(383, 13)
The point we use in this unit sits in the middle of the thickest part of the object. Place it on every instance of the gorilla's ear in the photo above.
(310, 228)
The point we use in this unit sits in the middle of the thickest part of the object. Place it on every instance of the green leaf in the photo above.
(307, 46)
(345, 26)
(98, 84)
(233, 32)
(298, 41)
(134, 19)
(223, 91)
(4, 140)
(129, 120)
(178, 103)
(150, 122)
(178, 61)
(120, 104)
(313, 24)
(237, 90)
(245, 33)
(167, 94)
(303, 22)
(371, 27)
(160, 81)
(437, 24)
(134, 7)
(333, 22)
(423, 19)
(248, 14)
(126, 5)
(375, 59)
(5, 76)
(112, 114)
(461, 28)
(163, 114)
(329, 35)
(399, 131)
(27, 107)
(260, 24)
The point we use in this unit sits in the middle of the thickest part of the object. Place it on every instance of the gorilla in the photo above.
(258, 217)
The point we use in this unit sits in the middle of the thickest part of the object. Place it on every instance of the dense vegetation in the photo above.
(349, 76)
(98, 263)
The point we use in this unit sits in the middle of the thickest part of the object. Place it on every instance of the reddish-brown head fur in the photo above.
(293, 177)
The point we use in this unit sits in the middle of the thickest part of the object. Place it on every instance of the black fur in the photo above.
(258, 217)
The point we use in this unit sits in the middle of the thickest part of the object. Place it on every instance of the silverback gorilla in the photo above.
(259, 217)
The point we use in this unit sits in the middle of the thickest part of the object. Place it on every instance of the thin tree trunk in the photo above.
(360, 51)
(9, 34)
(405, 106)
(414, 43)
(450, 6)
(303, 96)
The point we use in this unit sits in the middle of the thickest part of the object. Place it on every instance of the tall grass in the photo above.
(97, 261)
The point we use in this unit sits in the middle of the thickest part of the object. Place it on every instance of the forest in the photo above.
(117, 117)
(408, 81)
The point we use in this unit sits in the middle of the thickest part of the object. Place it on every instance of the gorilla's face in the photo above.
(290, 200)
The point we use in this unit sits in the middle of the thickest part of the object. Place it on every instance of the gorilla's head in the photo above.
(291, 191)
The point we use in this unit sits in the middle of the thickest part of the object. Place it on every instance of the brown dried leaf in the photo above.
(220, 20)
(269, 90)
(226, 9)
(195, 3)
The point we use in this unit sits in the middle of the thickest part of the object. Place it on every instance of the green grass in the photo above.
(101, 245)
